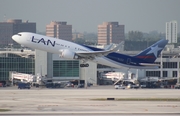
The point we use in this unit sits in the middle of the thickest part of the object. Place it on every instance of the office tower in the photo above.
(110, 32)
(59, 30)
(171, 31)
(11, 27)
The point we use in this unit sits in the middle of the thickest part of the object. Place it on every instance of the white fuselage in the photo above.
(54, 45)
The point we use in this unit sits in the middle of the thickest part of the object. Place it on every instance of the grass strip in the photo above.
(138, 99)
(4, 110)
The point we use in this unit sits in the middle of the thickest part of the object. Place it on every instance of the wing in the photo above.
(93, 54)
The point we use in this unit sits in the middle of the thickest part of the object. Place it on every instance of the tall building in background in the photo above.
(171, 31)
(11, 27)
(59, 30)
(110, 32)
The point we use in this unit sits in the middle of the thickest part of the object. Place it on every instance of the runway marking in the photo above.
(98, 105)
(47, 105)
(168, 106)
(55, 105)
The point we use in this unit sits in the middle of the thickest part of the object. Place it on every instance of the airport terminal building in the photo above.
(15, 60)
(55, 68)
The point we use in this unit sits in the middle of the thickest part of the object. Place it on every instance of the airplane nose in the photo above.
(13, 37)
(18, 38)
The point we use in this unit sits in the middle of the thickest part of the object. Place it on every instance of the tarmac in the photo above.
(75, 101)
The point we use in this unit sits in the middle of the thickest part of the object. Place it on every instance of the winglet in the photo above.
(109, 47)
(117, 47)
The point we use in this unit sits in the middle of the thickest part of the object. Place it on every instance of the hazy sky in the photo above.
(85, 15)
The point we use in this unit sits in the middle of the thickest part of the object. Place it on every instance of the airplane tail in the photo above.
(150, 54)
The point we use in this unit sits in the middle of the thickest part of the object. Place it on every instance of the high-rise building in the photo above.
(171, 31)
(59, 30)
(110, 32)
(11, 27)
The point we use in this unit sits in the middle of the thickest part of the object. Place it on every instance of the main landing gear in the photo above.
(84, 65)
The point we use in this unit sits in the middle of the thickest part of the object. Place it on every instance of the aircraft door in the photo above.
(128, 60)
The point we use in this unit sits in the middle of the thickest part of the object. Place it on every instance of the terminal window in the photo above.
(65, 68)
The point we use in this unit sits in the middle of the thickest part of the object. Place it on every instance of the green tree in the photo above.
(135, 35)
(79, 41)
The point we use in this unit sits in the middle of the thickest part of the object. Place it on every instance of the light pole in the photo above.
(178, 76)
(161, 76)
(10, 45)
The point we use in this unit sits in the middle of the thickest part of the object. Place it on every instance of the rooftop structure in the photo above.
(110, 32)
(59, 30)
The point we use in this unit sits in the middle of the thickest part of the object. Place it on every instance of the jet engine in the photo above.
(67, 54)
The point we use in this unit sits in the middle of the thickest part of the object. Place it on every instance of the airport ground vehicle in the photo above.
(135, 86)
(119, 87)
(24, 86)
(53, 85)
(69, 84)
(143, 86)
(177, 86)
(80, 86)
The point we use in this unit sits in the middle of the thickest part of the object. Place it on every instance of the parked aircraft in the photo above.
(74, 51)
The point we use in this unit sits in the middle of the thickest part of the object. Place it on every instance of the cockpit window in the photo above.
(19, 34)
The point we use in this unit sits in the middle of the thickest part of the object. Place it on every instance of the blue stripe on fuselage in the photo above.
(120, 58)
(124, 59)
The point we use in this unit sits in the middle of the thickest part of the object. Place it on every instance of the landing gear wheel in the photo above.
(84, 65)
(81, 65)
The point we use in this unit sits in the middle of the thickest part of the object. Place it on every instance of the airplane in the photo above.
(74, 51)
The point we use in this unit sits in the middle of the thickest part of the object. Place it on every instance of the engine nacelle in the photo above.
(67, 54)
